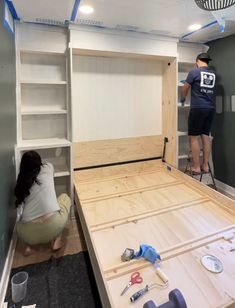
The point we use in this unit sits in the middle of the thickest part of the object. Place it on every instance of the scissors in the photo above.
(135, 278)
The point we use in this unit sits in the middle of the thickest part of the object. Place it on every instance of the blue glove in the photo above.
(147, 252)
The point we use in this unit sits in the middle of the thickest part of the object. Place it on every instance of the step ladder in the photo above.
(188, 170)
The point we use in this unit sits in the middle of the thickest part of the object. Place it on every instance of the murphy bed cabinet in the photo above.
(43, 104)
(98, 53)
(150, 202)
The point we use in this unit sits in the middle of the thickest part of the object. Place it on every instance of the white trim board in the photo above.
(226, 189)
(121, 42)
(7, 268)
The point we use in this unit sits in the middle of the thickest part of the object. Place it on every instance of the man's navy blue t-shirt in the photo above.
(202, 81)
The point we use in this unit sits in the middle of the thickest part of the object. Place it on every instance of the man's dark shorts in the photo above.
(200, 120)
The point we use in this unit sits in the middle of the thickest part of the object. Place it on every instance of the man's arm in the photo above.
(184, 91)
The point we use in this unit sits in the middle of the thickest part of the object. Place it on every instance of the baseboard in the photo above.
(7, 268)
(226, 189)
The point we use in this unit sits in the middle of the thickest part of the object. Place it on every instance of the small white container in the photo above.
(19, 286)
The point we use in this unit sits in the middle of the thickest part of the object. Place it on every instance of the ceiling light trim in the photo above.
(195, 27)
(86, 9)
(75, 10)
(203, 27)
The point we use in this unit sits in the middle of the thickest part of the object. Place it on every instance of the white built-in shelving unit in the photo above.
(43, 105)
(183, 111)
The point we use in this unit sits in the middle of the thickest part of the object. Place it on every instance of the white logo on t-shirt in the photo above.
(207, 80)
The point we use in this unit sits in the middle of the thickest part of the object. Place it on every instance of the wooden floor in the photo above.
(72, 237)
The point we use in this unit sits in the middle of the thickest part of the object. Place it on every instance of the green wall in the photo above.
(222, 52)
(7, 138)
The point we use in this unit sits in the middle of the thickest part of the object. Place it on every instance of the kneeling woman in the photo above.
(43, 215)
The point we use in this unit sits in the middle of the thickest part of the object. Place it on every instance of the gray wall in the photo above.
(223, 54)
(7, 138)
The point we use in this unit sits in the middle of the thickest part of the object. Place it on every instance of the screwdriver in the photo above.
(141, 292)
(138, 294)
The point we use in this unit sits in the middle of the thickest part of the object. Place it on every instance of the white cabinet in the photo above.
(42, 67)
(42, 96)
(43, 111)
(183, 111)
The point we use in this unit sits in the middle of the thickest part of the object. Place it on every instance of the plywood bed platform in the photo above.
(153, 203)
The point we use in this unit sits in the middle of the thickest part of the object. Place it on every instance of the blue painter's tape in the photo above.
(75, 10)
(204, 27)
(221, 28)
(7, 26)
(12, 9)
(5, 22)
(221, 22)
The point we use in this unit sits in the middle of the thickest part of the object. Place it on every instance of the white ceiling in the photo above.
(164, 17)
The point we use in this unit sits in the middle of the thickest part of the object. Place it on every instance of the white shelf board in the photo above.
(182, 133)
(31, 111)
(59, 82)
(45, 52)
(183, 106)
(61, 174)
(43, 143)
(183, 156)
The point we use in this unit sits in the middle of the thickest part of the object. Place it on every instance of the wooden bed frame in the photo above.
(154, 203)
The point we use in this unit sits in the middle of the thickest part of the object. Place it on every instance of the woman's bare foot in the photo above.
(56, 243)
(28, 251)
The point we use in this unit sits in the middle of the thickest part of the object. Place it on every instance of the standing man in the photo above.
(201, 80)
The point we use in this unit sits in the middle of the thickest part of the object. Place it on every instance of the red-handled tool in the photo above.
(135, 278)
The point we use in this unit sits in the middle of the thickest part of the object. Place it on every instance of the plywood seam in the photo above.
(224, 207)
(130, 192)
(110, 178)
(200, 187)
(121, 221)
(120, 170)
(172, 248)
(227, 304)
(127, 174)
(214, 200)
(166, 254)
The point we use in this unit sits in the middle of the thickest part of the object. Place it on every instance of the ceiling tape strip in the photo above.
(204, 27)
(75, 10)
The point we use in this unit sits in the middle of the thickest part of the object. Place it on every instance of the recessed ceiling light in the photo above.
(194, 27)
(86, 9)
